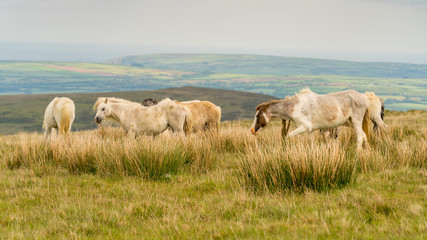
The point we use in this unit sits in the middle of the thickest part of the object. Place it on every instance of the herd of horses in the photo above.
(308, 110)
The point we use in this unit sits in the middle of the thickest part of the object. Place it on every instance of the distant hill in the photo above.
(25, 112)
(275, 65)
(402, 86)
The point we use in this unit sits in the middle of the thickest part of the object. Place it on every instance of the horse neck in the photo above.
(120, 111)
(282, 109)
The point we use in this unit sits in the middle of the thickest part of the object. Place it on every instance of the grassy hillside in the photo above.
(272, 65)
(403, 86)
(99, 184)
(25, 112)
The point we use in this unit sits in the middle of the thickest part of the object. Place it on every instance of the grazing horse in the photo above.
(137, 119)
(59, 114)
(206, 115)
(311, 111)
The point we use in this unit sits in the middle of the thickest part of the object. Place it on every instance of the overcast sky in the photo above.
(383, 27)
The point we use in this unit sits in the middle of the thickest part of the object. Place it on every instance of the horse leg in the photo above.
(299, 130)
(285, 128)
(336, 132)
(360, 135)
(178, 127)
(131, 134)
(326, 134)
(47, 133)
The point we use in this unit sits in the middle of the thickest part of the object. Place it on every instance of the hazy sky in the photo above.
(378, 26)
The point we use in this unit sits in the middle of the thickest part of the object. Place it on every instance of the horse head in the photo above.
(103, 110)
(149, 102)
(262, 118)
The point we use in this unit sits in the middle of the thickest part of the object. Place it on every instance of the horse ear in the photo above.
(266, 106)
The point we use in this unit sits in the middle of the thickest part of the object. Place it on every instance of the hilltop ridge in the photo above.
(276, 65)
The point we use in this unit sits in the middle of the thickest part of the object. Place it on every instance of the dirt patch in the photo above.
(260, 79)
(82, 70)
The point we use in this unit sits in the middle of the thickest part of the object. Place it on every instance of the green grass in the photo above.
(384, 197)
(387, 205)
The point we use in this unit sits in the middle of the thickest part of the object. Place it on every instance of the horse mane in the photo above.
(304, 91)
(109, 99)
(265, 105)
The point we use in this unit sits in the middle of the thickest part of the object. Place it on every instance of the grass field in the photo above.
(98, 184)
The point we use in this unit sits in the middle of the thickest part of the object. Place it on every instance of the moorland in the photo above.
(99, 184)
(96, 183)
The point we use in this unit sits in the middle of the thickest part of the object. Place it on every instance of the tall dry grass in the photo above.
(110, 152)
(262, 163)
(308, 162)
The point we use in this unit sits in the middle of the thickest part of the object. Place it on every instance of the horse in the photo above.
(311, 111)
(206, 115)
(149, 102)
(376, 115)
(59, 114)
(137, 119)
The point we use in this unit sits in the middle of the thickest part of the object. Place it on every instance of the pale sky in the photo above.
(375, 26)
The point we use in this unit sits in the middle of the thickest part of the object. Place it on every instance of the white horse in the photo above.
(59, 114)
(376, 113)
(137, 119)
(311, 111)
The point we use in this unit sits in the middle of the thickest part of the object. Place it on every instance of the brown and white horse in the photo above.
(311, 111)
(137, 119)
(59, 114)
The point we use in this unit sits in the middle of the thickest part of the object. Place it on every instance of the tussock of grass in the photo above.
(263, 163)
(96, 152)
(297, 168)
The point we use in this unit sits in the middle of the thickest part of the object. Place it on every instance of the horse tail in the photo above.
(376, 109)
(365, 123)
(188, 122)
(65, 124)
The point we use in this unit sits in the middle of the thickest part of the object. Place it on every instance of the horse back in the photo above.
(205, 114)
(332, 110)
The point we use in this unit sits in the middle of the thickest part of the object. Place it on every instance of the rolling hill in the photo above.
(25, 112)
(402, 86)
(273, 65)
